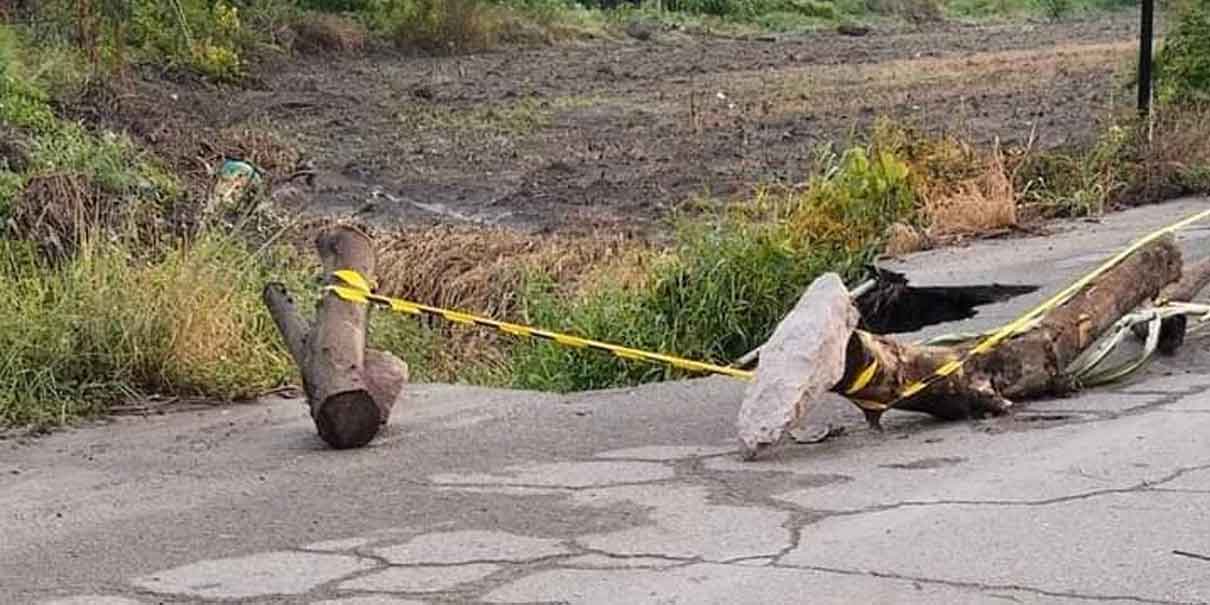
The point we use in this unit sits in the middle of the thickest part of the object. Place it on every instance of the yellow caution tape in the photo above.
(357, 289)
(863, 378)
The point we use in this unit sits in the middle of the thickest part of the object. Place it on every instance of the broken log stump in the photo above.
(350, 390)
(385, 374)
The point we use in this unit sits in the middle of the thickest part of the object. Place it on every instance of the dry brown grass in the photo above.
(974, 205)
(317, 33)
(905, 239)
(923, 82)
(58, 211)
(267, 151)
(960, 190)
(484, 270)
(1175, 162)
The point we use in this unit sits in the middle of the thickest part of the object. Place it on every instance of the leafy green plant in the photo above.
(11, 185)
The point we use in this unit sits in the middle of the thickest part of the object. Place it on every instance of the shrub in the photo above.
(913, 10)
(337, 6)
(445, 25)
(207, 36)
(1056, 10)
(329, 34)
(1183, 63)
(1176, 161)
(1074, 183)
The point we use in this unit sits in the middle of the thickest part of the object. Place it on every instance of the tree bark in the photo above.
(1025, 366)
(350, 390)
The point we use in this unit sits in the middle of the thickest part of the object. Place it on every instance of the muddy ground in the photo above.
(615, 135)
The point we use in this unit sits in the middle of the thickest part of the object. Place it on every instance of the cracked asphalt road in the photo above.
(637, 495)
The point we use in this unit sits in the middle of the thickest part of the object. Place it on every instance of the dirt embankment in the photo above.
(612, 136)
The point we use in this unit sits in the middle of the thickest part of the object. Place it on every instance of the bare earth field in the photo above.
(613, 135)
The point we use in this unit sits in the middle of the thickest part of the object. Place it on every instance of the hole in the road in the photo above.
(894, 307)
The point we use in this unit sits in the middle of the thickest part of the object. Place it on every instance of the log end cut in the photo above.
(348, 420)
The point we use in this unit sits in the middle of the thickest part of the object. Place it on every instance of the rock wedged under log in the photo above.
(802, 360)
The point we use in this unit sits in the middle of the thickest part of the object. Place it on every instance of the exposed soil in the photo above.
(614, 135)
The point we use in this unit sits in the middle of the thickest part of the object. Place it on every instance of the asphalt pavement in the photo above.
(638, 496)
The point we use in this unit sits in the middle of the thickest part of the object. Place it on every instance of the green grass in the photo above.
(105, 326)
(727, 282)
(1052, 9)
(110, 325)
(58, 146)
(1081, 182)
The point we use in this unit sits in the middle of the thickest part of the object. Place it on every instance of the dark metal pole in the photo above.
(1145, 35)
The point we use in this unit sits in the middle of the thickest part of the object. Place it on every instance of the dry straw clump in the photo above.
(329, 34)
(484, 269)
(959, 191)
(904, 239)
(59, 210)
(969, 206)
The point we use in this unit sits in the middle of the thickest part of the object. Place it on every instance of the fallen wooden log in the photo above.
(1025, 366)
(350, 390)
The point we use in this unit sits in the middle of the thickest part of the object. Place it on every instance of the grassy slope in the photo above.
(126, 309)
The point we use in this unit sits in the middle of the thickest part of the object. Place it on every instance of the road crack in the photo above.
(984, 587)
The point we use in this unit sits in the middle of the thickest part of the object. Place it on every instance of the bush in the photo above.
(337, 6)
(913, 10)
(1056, 10)
(207, 36)
(42, 148)
(1076, 183)
(1183, 63)
(329, 34)
(440, 26)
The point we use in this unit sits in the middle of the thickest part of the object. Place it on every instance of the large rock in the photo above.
(801, 361)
